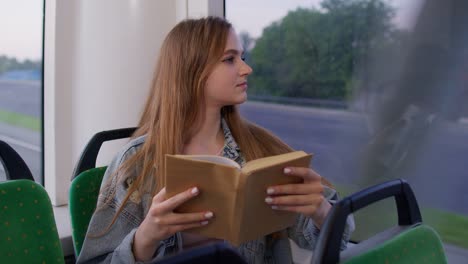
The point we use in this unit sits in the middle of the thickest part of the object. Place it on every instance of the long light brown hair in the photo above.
(187, 57)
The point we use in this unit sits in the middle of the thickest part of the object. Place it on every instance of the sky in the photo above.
(21, 20)
(245, 15)
(21, 28)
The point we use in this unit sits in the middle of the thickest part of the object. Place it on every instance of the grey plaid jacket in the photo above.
(115, 245)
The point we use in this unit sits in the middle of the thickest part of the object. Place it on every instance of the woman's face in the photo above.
(227, 83)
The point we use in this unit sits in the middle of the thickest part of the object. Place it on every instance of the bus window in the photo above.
(21, 31)
(377, 90)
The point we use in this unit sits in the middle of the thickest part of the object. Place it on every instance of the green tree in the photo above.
(10, 64)
(315, 53)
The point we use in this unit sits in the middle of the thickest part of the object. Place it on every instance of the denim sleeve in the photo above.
(305, 233)
(104, 244)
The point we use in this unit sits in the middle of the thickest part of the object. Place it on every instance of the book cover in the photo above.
(235, 195)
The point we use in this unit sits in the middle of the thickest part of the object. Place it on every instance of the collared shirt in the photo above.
(115, 245)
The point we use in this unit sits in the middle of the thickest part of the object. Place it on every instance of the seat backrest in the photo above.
(15, 167)
(84, 192)
(28, 233)
(418, 244)
(408, 242)
(89, 155)
(207, 254)
(86, 183)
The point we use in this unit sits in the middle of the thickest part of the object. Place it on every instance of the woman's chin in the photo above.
(242, 99)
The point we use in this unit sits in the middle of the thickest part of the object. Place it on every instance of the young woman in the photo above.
(199, 80)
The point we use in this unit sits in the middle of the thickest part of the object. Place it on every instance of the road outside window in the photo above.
(21, 27)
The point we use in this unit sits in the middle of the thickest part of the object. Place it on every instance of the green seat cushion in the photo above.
(84, 192)
(28, 233)
(420, 244)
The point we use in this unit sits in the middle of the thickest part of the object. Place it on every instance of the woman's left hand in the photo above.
(305, 198)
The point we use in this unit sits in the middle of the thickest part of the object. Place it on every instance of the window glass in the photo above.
(376, 89)
(21, 27)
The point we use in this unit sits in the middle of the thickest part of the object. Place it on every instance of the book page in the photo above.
(211, 158)
(257, 164)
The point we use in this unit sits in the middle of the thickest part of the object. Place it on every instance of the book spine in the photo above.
(239, 209)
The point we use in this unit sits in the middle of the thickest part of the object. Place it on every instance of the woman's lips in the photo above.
(242, 85)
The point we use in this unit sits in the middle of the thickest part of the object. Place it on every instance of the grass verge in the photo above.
(451, 227)
(20, 120)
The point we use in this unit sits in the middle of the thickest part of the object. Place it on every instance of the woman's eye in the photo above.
(243, 58)
(229, 59)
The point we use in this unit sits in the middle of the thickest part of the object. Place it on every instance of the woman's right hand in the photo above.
(161, 222)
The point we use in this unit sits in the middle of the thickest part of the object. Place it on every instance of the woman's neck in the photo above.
(209, 139)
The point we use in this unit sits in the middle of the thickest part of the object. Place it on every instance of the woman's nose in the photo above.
(245, 69)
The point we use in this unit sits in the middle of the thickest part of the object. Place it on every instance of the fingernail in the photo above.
(274, 207)
(208, 215)
(287, 170)
(269, 200)
(270, 190)
(194, 190)
(204, 223)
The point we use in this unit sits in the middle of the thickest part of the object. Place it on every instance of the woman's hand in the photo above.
(161, 222)
(305, 198)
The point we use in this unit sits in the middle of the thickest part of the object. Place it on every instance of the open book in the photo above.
(235, 195)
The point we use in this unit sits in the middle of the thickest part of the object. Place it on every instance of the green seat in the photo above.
(419, 244)
(84, 192)
(86, 183)
(28, 233)
(408, 242)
